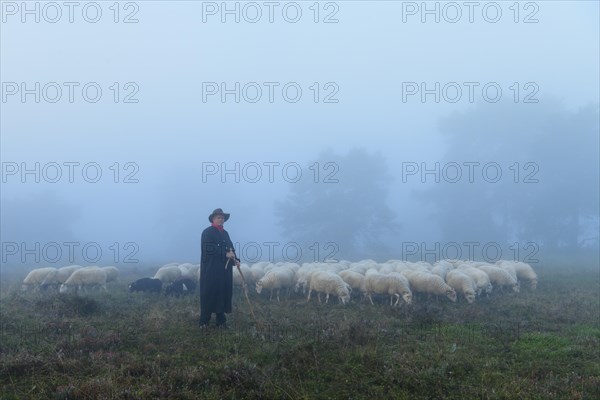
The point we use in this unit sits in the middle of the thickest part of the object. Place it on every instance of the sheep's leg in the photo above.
(327, 298)
(397, 300)
(271, 298)
(319, 297)
(309, 292)
(278, 290)
(370, 298)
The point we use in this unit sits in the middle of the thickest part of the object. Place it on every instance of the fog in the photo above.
(374, 132)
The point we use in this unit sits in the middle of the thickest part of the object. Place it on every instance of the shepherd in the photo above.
(216, 271)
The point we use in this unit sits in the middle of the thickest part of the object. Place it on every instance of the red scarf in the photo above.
(219, 227)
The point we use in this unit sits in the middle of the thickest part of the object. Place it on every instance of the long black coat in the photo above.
(216, 282)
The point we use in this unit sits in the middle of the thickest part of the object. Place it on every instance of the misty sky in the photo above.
(171, 64)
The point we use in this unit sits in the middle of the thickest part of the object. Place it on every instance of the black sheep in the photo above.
(181, 286)
(146, 285)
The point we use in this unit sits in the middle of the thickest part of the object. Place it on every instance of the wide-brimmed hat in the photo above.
(218, 211)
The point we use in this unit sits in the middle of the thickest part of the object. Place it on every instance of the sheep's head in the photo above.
(533, 284)
(342, 291)
(301, 283)
(407, 296)
(344, 298)
(259, 286)
(470, 296)
(516, 287)
(451, 294)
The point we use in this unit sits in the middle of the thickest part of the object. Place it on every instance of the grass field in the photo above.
(529, 345)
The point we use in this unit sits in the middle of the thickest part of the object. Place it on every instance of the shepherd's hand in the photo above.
(237, 263)
(230, 254)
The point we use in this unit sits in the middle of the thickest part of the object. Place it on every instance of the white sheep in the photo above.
(36, 277)
(393, 284)
(329, 283)
(194, 272)
(400, 284)
(500, 277)
(303, 275)
(356, 281)
(59, 276)
(482, 280)
(508, 267)
(429, 283)
(85, 277)
(112, 273)
(524, 272)
(462, 283)
(276, 278)
(168, 274)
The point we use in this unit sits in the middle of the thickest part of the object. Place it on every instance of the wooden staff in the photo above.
(258, 325)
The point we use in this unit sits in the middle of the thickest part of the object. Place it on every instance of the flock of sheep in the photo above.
(394, 278)
(179, 278)
(399, 280)
(72, 277)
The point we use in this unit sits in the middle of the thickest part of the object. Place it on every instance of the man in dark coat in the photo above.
(216, 281)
